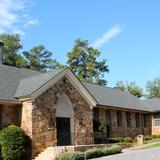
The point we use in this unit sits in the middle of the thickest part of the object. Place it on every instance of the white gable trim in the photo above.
(75, 82)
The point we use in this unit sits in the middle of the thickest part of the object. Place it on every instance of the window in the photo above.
(137, 118)
(156, 119)
(129, 122)
(145, 120)
(96, 114)
(96, 122)
(108, 117)
(119, 119)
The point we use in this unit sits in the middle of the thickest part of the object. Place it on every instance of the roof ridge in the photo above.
(104, 86)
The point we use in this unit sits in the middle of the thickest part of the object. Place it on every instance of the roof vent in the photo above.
(1, 52)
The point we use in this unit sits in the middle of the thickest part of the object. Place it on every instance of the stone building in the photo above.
(56, 108)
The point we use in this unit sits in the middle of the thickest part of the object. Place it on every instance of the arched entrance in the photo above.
(64, 121)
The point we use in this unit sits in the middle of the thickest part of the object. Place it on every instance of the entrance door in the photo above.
(63, 131)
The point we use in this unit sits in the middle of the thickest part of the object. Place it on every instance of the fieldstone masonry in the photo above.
(39, 117)
(123, 130)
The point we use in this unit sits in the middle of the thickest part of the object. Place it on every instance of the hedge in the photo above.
(116, 140)
(128, 139)
(72, 156)
(13, 141)
(91, 153)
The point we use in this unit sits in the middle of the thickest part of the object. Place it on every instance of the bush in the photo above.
(99, 152)
(112, 150)
(94, 152)
(91, 153)
(78, 156)
(72, 156)
(116, 140)
(148, 137)
(128, 139)
(13, 141)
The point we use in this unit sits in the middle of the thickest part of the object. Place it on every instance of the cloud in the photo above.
(13, 18)
(111, 33)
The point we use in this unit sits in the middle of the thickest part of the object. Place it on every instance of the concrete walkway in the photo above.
(143, 154)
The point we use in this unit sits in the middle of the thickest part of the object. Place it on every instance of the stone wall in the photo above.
(123, 130)
(42, 115)
(10, 114)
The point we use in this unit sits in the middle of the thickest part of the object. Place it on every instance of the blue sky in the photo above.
(126, 32)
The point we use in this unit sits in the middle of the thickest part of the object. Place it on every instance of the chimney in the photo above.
(1, 52)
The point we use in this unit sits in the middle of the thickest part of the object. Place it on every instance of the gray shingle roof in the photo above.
(112, 97)
(9, 80)
(152, 104)
(16, 82)
(29, 85)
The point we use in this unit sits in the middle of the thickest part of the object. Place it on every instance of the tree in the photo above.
(153, 88)
(40, 59)
(12, 45)
(82, 60)
(130, 87)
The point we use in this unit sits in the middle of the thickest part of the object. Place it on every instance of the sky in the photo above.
(126, 32)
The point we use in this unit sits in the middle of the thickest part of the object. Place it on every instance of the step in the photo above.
(50, 153)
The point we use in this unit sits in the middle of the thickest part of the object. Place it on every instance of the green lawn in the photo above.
(154, 145)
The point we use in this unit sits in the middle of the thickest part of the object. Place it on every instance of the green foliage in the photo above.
(13, 141)
(12, 45)
(130, 87)
(116, 140)
(155, 136)
(40, 59)
(112, 150)
(72, 156)
(90, 153)
(128, 139)
(66, 156)
(78, 156)
(153, 88)
(99, 152)
(94, 152)
(148, 137)
(83, 61)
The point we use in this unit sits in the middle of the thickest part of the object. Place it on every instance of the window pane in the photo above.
(137, 118)
(128, 116)
(119, 119)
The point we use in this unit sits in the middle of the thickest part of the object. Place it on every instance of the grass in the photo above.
(152, 146)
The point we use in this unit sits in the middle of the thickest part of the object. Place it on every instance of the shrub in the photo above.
(128, 139)
(91, 153)
(94, 152)
(154, 136)
(112, 150)
(12, 141)
(99, 152)
(72, 156)
(116, 140)
(148, 137)
(158, 136)
(78, 156)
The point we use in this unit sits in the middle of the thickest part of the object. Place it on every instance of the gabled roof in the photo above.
(29, 85)
(115, 98)
(9, 80)
(16, 83)
(34, 86)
